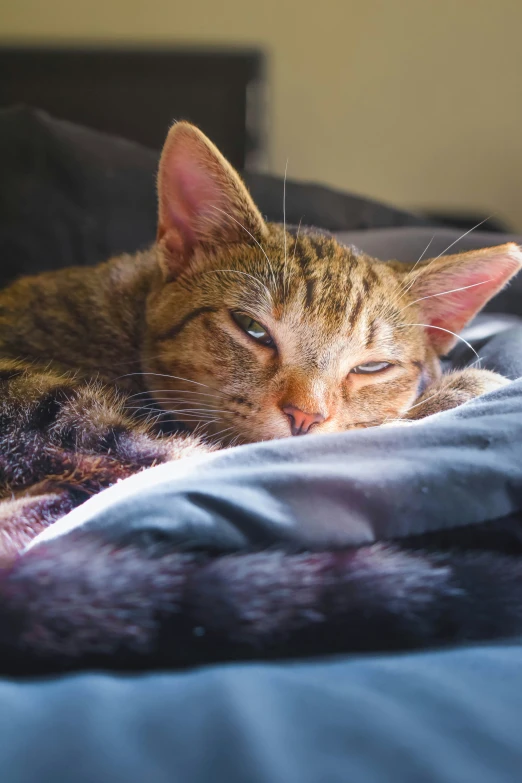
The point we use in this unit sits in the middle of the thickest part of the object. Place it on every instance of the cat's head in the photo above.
(254, 332)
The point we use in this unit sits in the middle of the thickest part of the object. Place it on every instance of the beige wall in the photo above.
(414, 101)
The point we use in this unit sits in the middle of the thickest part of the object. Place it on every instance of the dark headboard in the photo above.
(136, 93)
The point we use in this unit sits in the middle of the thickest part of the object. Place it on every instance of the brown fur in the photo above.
(95, 359)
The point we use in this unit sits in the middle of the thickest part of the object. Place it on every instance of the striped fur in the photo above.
(81, 603)
(109, 370)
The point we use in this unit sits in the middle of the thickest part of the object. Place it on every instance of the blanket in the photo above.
(378, 539)
(366, 540)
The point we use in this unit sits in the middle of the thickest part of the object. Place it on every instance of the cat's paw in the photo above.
(455, 389)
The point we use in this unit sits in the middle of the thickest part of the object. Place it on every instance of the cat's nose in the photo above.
(300, 421)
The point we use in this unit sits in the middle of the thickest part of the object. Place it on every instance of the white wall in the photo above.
(414, 101)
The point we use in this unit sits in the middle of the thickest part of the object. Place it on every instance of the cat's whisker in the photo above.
(424, 252)
(182, 412)
(252, 237)
(202, 414)
(219, 435)
(167, 406)
(443, 293)
(196, 411)
(196, 404)
(465, 234)
(162, 411)
(175, 378)
(174, 391)
(144, 415)
(163, 375)
(391, 420)
(442, 329)
(293, 256)
(461, 237)
(284, 222)
(236, 441)
(477, 361)
(135, 361)
(189, 420)
(417, 262)
(199, 430)
(418, 404)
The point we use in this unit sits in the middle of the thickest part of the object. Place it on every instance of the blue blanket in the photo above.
(442, 716)
(439, 717)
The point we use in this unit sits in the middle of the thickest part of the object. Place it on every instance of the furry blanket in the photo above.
(79, 602)
(235, 559)
(110, 599)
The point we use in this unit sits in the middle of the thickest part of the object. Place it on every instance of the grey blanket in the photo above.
(458, 468)
(444, 716)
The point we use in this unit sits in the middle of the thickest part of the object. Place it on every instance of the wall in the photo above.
(414, 102)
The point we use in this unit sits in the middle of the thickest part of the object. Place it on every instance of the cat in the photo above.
(228, 330)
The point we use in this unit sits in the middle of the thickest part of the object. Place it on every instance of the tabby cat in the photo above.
(228, 330)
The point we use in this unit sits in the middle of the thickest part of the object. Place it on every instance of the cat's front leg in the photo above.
(61, 441)
(58, 431)
(453, 389)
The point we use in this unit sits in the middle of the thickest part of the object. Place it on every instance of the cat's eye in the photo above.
(253, 328)
(370, 367)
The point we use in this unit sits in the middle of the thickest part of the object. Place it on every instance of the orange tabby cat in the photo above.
(230, 326)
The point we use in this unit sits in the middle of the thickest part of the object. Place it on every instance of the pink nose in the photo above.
(301, 422)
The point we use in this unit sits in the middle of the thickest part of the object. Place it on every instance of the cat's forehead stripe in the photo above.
(318, 245)
(336, 280)
(370, 278)
(372, 329)
(324, 280)
(310, 287)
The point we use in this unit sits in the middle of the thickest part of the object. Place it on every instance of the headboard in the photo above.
(136, 93)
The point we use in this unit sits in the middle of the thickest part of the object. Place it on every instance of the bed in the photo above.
(74, 196)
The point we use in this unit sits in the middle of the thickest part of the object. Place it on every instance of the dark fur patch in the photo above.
(305, 231)
(62, 608)
(310, 286)
(8, 373)
(372, 328)
(372, 277)
(356, 309)
(177, 328)
(49, 406)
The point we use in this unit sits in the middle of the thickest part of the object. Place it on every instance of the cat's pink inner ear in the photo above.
(451, 290)
(202, 200)
(187, 198)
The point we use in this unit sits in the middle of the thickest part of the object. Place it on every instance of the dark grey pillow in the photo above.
(73, 196)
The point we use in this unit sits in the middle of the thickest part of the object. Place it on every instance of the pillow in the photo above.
(73, 196)
(410, 243)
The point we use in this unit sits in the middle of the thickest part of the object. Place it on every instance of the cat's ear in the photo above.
(202, 200)
(450, 290)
